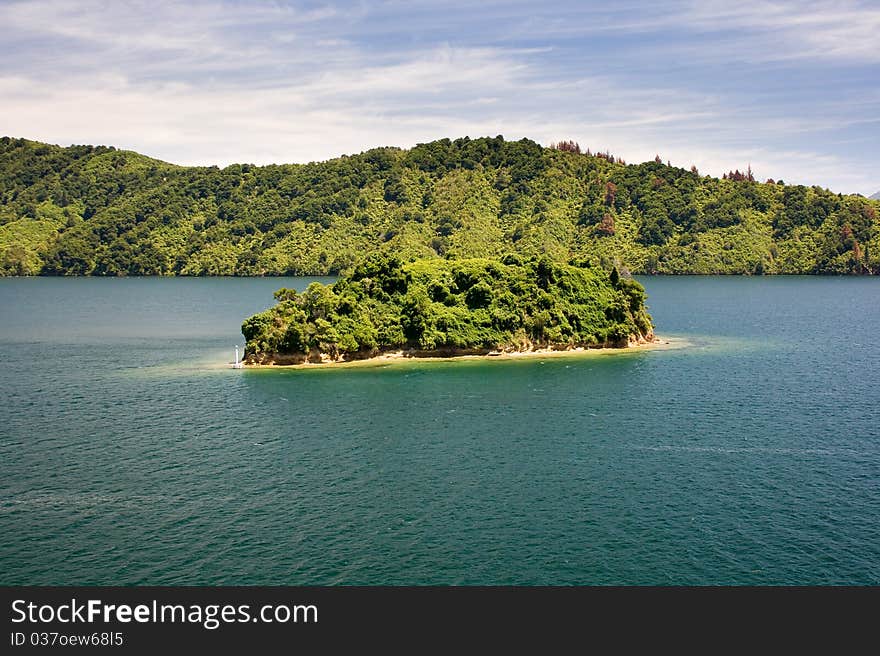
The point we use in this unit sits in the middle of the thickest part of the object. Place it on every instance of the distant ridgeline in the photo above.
(437, 307)
(87, 210)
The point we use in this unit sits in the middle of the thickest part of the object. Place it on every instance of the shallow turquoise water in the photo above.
(130, 455)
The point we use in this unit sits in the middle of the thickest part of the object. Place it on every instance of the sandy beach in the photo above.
(392, 357)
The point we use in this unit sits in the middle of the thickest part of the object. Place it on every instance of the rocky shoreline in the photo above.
(318, 359)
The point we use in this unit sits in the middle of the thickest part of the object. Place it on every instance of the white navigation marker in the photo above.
(236, 363)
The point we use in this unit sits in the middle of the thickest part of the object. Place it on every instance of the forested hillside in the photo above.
(87, 210)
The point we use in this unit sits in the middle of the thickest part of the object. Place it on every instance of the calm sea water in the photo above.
(129, 454)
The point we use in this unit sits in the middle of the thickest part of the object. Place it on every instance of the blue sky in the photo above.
(792, 88)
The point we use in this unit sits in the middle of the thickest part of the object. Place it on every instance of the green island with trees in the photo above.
(437, 307)
(87, 210)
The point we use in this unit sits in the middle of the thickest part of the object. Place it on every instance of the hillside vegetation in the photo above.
(449, 307)
(87, 210)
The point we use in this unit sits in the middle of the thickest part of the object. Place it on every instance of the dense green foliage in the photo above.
(100, 211)
(437, 305)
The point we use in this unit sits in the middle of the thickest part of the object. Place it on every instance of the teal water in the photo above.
(130, 455)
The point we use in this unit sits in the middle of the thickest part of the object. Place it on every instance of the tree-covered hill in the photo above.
(449, 307)
(87, 210)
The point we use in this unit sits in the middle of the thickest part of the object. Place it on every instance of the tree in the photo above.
(610, 193)
(606, 225)
(567, 146)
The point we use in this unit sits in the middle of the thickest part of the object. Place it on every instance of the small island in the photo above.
(448, 308)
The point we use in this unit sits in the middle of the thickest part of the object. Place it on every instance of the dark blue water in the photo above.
(129, 454)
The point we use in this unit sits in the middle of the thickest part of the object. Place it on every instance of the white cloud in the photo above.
(227, 82)
(783, 30)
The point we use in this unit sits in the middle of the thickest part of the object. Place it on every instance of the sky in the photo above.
(790, 88)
